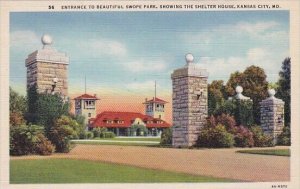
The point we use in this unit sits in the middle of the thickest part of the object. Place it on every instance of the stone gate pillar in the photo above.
(47, 68)
(189, 103)
(272, 115)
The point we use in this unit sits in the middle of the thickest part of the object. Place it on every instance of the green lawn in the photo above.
(115, 143)
(83, 171)
(275, 152)
(131, 139)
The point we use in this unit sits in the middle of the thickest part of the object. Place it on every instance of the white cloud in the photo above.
(257, 54)
(254, 28)
(221, 68)
(142, 65)
(107, 47)
(24, 39)
(269, 32)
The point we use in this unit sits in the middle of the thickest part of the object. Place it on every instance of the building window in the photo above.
(89, 104)
(89, 114)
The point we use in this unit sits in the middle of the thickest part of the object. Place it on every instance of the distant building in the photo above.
(47, 69)
(155, 108)
(85, 105)
(121, 123)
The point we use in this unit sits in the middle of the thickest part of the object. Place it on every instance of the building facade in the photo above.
(129, 123)
(47, 69)
(155, 108)
(85, 105)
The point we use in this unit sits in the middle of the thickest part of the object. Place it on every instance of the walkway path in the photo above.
(223, 163)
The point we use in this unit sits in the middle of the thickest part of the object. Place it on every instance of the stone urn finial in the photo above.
(189, 58)
(271, 92)
(46, 40)
(239, 89)
(239, 94)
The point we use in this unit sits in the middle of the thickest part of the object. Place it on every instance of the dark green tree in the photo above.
(284, 89)
(44, 109)
(17, 102)
(17, 108)
(253, 80)
(50, 107)
(216, 92)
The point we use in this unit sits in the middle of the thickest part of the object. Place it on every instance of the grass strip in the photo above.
(84, 171)
(274, 152)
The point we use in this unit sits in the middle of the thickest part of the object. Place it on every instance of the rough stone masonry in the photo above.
(189, 103)
(47, 69)
(272, 115)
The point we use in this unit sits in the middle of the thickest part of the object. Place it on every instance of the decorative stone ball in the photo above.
(239, 89)
(271, 92)
(46, 39)
(189, 58)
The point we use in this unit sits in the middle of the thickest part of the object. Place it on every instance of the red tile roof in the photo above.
(125, 120)
(156, 100)
(86, 96)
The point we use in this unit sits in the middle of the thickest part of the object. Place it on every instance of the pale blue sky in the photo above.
(129, 50)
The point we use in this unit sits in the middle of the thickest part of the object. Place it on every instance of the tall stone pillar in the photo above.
(272, 115)
(48, 69)
(189, 103)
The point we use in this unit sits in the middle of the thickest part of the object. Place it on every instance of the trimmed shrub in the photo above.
(226, 120)
(44, 146)
(29, 139)
(215, 137)
(98, 130)
(284, 138)
(107, 134)
(166, 137)
(243, 137)
(61, 132)
(260, 139)
(89, 135)
(82, 135)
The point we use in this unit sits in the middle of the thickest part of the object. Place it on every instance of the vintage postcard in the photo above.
(162, 94)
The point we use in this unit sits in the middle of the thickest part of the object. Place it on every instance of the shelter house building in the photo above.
(133, 123)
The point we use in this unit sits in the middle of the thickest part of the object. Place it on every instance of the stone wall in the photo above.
(43, 73)
(272, 118)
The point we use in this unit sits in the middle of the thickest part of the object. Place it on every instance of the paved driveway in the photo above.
(223, 163)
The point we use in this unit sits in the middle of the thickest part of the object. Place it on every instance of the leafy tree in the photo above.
(17, 103)
(80, 119)
(234, 80)
(166, 137)
(44, 109)
(253, 80)
(285, 137)
(16, 119)
(64, 129)
(284, 89)
(215, 95)
(29, 139)
(260, 139)
(32, 97)
(215, 137)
